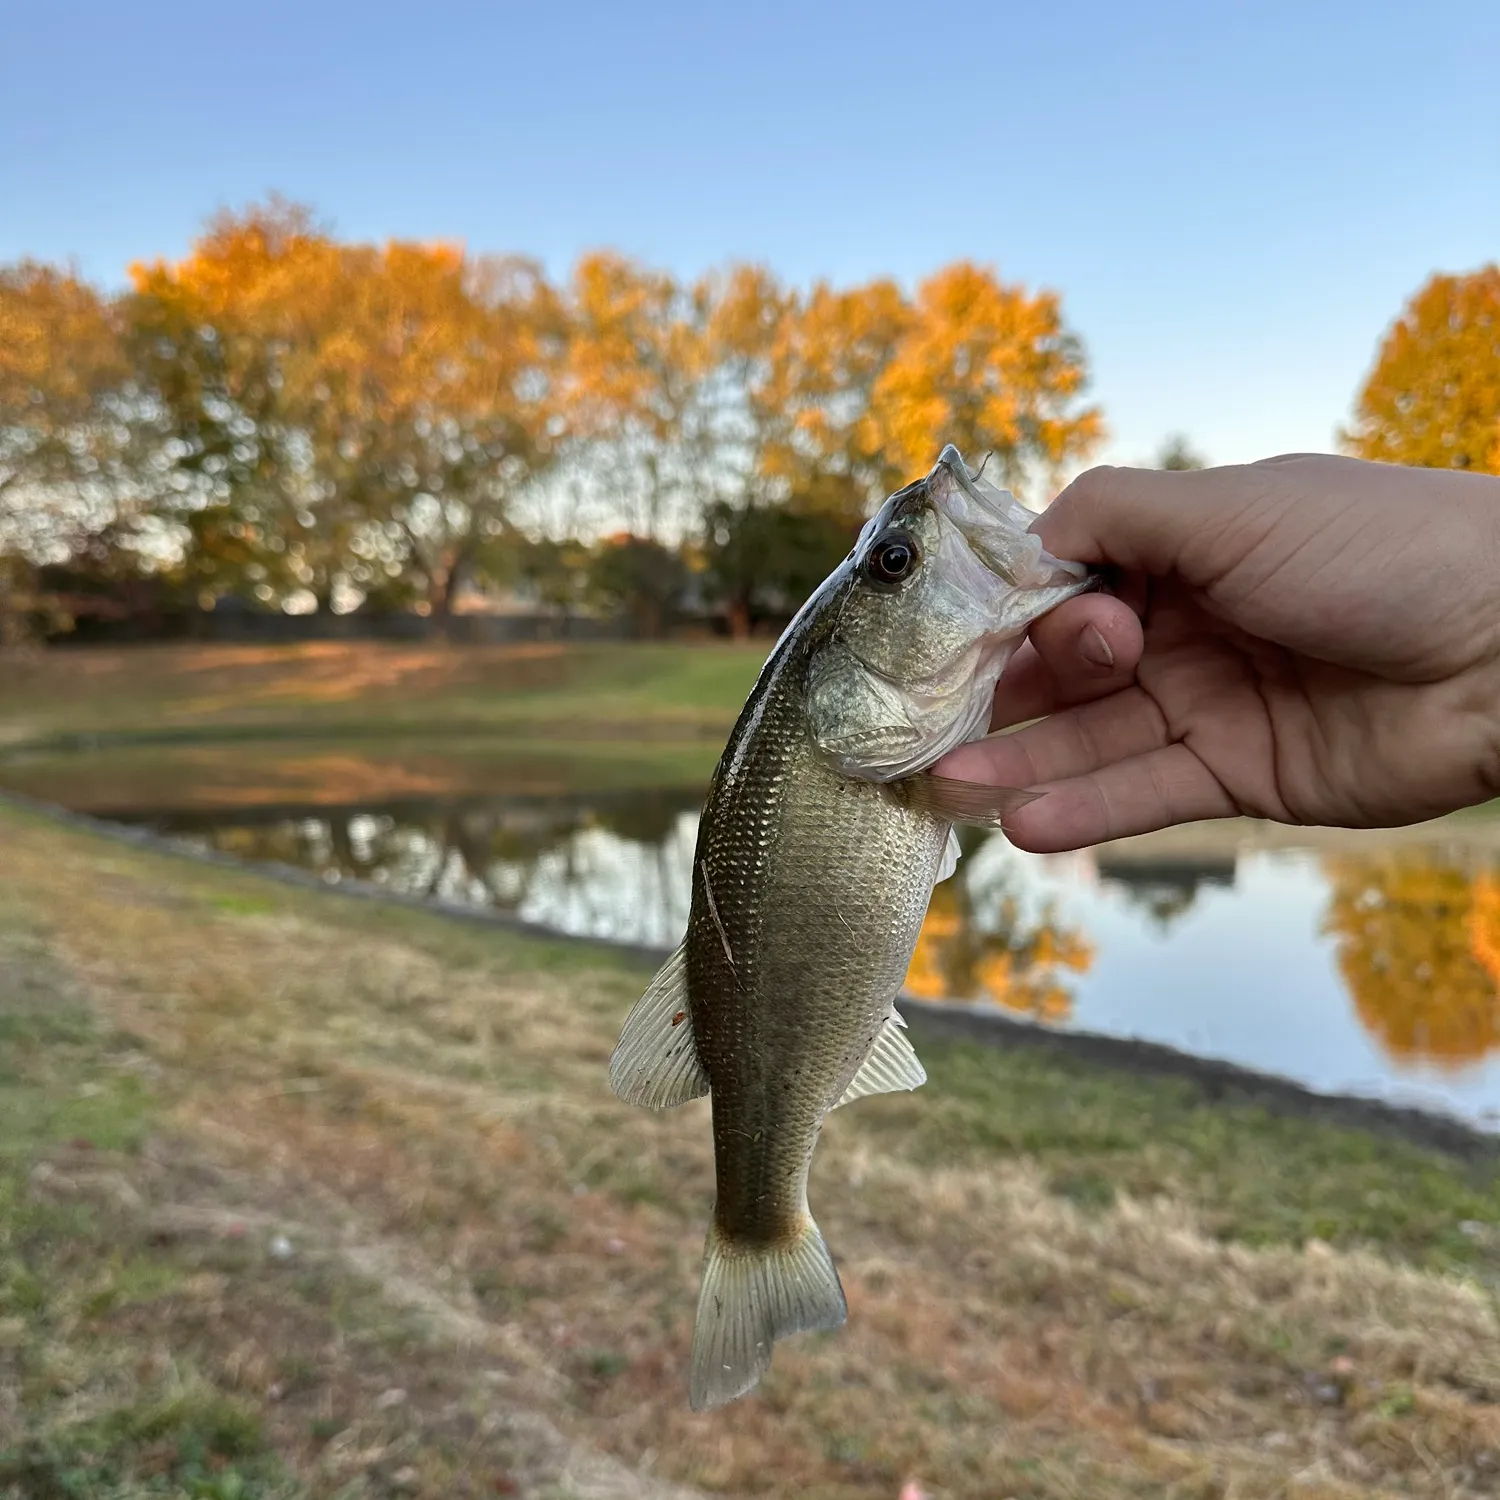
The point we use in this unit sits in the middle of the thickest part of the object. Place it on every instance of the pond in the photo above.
(1364, 964)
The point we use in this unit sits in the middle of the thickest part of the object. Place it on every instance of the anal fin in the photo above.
(892, 1065)
(655, 1062)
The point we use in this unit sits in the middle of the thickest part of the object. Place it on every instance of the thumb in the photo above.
(1140, 520)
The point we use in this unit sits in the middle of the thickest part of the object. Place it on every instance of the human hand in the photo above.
(1309, 639)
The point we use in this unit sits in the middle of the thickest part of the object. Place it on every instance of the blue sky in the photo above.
(1232, 199)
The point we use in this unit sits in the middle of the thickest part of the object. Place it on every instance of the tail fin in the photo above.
(750, 1298)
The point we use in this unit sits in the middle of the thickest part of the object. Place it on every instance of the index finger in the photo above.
(1147, 520)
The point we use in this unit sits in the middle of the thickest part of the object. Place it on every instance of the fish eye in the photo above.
(893, 558)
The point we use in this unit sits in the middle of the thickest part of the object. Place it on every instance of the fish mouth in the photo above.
(997, 528)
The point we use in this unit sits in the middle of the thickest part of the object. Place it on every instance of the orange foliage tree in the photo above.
(375, 409)
(1433, 398)
(67, 430)
(636, 392)
(782, 515)
(779, 418)
(295, 414)
(1418, 944)
(991, 368)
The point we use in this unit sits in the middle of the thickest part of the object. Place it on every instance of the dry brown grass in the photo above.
(427, 1107)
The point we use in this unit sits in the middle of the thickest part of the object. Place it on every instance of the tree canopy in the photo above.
(314, 423)
(1178, 454)
(1433, 397)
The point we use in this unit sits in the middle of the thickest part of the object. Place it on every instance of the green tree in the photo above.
(641, 579)
(1433, 397)
(555, 570)
(764, 560)
(1176, 453)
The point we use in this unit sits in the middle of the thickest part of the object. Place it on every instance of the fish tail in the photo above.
(751, 1296)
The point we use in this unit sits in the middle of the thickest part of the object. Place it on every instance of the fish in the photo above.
(821, 839)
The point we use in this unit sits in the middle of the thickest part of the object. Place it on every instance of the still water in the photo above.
(1358, 964)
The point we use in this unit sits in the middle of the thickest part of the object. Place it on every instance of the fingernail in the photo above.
(1093, 647)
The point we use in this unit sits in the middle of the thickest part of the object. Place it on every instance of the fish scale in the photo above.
(814, 946)
(820, 842)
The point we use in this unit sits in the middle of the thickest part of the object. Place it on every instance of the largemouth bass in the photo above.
(820, 842)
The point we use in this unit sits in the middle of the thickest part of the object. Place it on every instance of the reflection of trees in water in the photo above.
(1165, 889)
(647, 817)
(1418, 943)
(977, 943)
(617, 869)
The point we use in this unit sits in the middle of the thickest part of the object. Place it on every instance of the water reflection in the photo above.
(1418, 944)
(1165, 889)
(1367, 968)
(611, 867)
(978, 941)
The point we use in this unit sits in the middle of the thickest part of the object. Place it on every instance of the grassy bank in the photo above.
(348, 690)
(299, 1197)
(313, 772)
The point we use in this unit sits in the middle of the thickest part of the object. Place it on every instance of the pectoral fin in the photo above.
(892, 1065)
(973, 802)
(655, 1062)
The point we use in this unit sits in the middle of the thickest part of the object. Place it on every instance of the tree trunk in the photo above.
(12, 626)
(18, 590)
(444, 594)
(440, 597)
(737, 611)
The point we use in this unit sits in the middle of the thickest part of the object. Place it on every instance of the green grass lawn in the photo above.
(188, 726)
(301, 1196)
(311, 772)
(345, 690)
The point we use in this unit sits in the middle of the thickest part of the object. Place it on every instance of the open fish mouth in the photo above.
(911, 673)
(996, 526)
